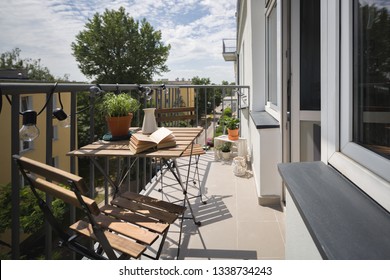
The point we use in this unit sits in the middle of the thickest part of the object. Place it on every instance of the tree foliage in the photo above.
(35, 70)
(31, 216)
(115, 48)
(207, 99)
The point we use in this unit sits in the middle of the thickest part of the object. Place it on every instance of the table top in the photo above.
(184, 137)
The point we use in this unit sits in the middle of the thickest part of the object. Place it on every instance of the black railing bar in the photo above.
(49, 161)
(106, 188)
(206, 115)
(214, 112)
(137, 176)
(72, 160)
(15, 192)
(39, 88)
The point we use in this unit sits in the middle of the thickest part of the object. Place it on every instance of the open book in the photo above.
(161, 138)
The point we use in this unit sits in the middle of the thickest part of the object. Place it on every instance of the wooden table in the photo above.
(185, 139)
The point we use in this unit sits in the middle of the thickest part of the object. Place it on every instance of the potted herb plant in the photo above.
(225, 149)
(232, 125)
(119, 109)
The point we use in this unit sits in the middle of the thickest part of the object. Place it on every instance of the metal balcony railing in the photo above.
(209, 101)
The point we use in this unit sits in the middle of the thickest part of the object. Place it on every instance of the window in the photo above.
(55, 132)
(25, 103)
(55, 161)
(54, 100)
(310, 62)
(371, 77)
(271, 81)
(348, 87)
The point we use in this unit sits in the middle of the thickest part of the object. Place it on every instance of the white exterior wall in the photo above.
(264, 145)
(299, 243)
(257, 33)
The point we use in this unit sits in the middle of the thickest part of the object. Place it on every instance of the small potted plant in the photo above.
(225, 149)
(119, 109)
(232, 125)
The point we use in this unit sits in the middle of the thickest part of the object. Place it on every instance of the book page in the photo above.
(160, 134)
(142, 138)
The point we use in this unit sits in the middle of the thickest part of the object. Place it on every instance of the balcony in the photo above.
(233, 224)
(250, 231)
(229, 49)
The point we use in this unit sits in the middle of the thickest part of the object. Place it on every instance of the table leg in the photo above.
(172, 167)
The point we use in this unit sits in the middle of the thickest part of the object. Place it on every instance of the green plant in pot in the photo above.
(225, 148)
(119, 109)
(232, 125)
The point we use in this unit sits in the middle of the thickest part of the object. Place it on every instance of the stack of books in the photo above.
(161, 138)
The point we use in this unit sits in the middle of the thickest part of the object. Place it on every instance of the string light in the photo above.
(29, 130)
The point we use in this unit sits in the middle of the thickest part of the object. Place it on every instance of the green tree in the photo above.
(213, 99)
(114, 48)
(31, 216)
(35, 70)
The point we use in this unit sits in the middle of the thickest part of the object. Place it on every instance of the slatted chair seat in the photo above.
(124, 229)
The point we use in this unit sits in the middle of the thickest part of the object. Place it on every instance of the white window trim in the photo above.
(30, 146)
(366, 169)
(272, 109)
(365, 157)
(55, 132)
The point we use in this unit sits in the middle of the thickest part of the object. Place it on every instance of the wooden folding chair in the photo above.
(124, 229)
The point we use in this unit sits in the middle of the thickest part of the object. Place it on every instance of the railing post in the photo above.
(91, 139)
(205, 115)
(49, 161)
(15, 183)
(214, 117)
(197, 106)
(73, 123)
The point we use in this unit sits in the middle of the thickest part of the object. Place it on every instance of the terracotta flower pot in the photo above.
(119, 126)
(233, 134)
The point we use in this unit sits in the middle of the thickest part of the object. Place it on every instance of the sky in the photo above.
(45, 29)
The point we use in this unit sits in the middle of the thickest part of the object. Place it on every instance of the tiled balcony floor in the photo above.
(233, 225)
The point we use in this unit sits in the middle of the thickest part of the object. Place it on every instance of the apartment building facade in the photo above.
(320, 91)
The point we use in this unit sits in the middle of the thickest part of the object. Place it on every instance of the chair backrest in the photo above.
(49, 179)
(167, 115)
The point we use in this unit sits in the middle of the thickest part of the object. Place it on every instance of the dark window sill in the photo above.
(343, 221)
(263, 120)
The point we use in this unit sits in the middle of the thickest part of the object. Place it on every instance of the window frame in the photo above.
(363, 167)
(271, 108)
(365, 157)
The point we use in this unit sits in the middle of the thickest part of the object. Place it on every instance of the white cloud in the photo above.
(195, 29)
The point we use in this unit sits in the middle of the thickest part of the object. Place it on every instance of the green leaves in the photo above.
(232, 123)
(31, 216)
(117, 105)
(35, 70)
(114, 48)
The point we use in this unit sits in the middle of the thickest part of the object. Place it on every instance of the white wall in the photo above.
(251, 50)
(257, 33)
(264, 145)
(299, 244)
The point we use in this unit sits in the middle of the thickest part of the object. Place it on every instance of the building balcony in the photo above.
(233, 224)
(229, 49)
(232, 211)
